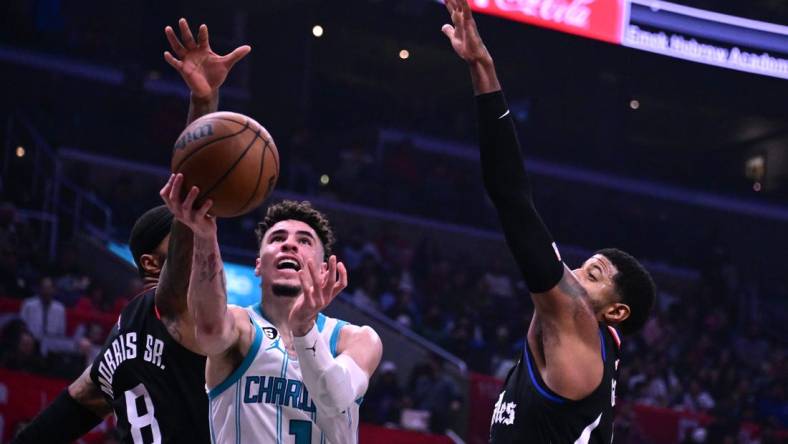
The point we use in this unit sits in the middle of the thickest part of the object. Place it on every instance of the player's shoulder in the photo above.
(138, 308)
(364, 333)
(240, 314)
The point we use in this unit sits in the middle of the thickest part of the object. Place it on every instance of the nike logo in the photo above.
(504, 115)
(313, 348)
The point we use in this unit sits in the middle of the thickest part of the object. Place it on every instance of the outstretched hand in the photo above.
(203, 70)
(320, 287)
(197, 219)
(463, 34)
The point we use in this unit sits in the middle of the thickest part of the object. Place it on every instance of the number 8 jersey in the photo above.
(155, 385)
(265, 399)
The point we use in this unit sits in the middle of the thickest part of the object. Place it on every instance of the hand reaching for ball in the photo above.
(197, 219)
(201, 68)
(320, 287)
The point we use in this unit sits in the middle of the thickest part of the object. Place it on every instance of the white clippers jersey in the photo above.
(265, 399)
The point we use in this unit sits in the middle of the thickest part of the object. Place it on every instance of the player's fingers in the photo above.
(237, 54)
(188, 203)
(202, 36)
(462, 6)
(165, 191)
(341, 284)
(204, 209)
(331, 275)
(172, 61)
(175, 191)
(175, 44)
(307, 285)
(314, 276)
(448, 30)
(186, 34)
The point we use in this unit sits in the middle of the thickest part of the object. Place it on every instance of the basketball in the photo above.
(231, 158)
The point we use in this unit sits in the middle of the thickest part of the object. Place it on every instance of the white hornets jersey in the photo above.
(265, 399)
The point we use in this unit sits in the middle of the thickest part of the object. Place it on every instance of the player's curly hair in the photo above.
(301, 211)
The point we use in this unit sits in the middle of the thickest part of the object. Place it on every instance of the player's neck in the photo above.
(276, 309)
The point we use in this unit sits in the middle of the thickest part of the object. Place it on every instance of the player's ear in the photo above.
(257, 263)
(616, 313)
(151, 264)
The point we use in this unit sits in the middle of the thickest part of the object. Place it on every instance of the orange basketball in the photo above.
(231, 158)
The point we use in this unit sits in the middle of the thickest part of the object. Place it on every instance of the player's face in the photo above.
(596, 276)
(285, 250)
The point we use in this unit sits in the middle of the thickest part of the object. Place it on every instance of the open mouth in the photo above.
(288, 264)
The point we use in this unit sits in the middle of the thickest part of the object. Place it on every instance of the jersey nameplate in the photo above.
(123, 348)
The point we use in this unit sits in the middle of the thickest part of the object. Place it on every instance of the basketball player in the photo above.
(562, 390)
(155, 328)
(279, 371)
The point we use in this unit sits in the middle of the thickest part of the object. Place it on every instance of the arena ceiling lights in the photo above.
(660, 27)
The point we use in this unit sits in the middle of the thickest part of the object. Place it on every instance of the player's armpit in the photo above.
(564, 299)
(567, 310)
(230, 351)
(568, 353)
(232, 335)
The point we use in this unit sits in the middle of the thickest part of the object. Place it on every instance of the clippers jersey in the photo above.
(265, 399)
(529, 412)
(155, 385)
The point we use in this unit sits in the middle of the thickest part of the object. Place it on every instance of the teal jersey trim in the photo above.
(236, 375)
(335, 337)
(238, 439)
(279, 407)
(321, 322)
(210, 422)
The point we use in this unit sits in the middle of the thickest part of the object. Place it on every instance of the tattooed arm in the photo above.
(216, 329)
(174, 280)
(563, 334)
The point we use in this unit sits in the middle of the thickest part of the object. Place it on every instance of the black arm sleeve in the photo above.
(508, 186)
(63, 421)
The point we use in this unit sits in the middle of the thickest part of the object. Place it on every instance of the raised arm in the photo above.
(203, 70)
(562, 308)
(216, 330)
(503, 172)
(334, 382)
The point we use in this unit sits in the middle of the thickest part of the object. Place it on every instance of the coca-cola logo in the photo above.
(576, 13)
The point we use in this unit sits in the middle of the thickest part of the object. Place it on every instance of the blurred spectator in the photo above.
(697, 399)
(70, 282)
(432, 390)
(383, 402)
(12, 281)
(497, 282)
(133, 288)
(405, 310)
(20, 349)
(94, 301)
(43, 315)
(366, 295)
(90, 345)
